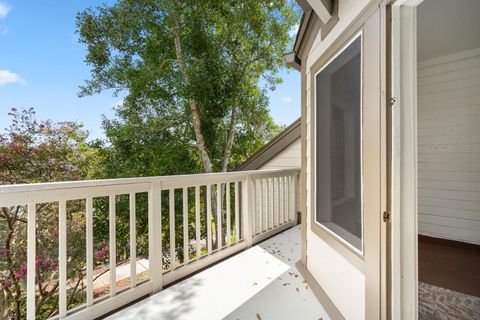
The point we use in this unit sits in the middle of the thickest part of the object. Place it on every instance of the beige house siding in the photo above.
(288, 158)
(448, 149)
(282, 152)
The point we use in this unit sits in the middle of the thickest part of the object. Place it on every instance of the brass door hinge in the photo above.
(387, 216)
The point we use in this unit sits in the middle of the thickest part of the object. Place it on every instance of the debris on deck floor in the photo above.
(259, 283)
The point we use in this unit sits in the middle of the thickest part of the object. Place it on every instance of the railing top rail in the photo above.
(193, 179)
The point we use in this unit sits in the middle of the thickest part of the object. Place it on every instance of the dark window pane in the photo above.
(338, 149)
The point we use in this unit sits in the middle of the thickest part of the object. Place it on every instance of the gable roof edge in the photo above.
(279, 143)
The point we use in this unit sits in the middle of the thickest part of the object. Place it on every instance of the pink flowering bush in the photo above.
(32, 151)
(102, 253)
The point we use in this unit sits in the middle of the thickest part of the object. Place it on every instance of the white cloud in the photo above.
(7, 77)
(286, 99)
(4, 10)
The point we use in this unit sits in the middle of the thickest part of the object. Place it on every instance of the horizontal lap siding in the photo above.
(449, 147)
(289, 158)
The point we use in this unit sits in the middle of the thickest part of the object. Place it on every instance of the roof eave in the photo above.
(292, 59)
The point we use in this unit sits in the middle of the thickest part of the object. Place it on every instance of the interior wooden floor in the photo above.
(449, 264)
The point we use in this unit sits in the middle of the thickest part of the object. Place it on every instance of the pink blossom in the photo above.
(101, 254)
(3, 156)
(21, 274)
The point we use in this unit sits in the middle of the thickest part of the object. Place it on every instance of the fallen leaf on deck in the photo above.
(286, 284)
(254, 284)
(258, 317)
(298, 290)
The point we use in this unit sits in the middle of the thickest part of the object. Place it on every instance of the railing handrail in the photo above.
(202, 179)
(264, 203)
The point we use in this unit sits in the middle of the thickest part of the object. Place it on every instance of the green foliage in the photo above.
(144, 144)
(32, 151)
(227, 50)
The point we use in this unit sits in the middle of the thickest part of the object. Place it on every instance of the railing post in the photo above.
(155, 236)
(247, 199)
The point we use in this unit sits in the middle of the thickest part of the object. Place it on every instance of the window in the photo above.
(338, 145)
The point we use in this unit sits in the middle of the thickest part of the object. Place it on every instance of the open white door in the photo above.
(350, 170)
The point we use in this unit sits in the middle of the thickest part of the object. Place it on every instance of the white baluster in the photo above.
(133, 240)
(185, 226)
(89, 251)
(171, 207)
(113, 245)
(227, 195)
(197, 220)
(62, 259)
(209, 218)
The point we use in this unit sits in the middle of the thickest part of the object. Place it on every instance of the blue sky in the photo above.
(41, 66)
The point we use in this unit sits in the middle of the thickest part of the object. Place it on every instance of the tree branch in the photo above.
(230, 138)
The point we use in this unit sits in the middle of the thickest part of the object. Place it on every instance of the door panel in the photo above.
(350, 162)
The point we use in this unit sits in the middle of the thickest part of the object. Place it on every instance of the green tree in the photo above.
(195, 75)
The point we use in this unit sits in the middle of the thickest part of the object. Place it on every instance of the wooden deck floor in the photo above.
(259, 283)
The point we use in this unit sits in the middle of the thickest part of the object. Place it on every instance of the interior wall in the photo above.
(449, 146)
(448, 105)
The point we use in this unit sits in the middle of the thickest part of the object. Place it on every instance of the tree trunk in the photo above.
(230, 139)
(196, 119)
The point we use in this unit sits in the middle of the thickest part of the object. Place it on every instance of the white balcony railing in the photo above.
(242, 208)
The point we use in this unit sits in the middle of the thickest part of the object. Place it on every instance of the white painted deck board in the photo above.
(262, 280)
